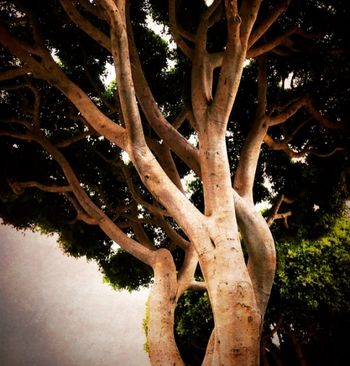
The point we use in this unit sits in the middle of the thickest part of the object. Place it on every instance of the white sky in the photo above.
(55, 310)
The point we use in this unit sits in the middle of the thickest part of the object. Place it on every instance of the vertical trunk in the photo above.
(236, 316)
(162, 303)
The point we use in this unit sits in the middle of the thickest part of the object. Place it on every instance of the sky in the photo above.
(56, 311)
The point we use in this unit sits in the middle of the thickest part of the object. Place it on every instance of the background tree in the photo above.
(104, 165)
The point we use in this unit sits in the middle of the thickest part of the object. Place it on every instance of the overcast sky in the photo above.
(55, 310)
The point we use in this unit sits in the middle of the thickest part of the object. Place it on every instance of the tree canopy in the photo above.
(238, 102)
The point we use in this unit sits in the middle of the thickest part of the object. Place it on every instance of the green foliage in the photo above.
(123, 271)
(313, 276)
(193, 325)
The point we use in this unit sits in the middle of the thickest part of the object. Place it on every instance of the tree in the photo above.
(308, 314)
(65, 138)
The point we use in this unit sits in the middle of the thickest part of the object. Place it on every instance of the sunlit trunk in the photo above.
(235, 339)
(162, 302)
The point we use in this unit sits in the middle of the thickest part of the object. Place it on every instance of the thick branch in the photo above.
(201, 68)
(231, 69)
(261, 249)
(245, 173)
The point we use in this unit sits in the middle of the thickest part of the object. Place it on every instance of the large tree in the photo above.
(109, 165)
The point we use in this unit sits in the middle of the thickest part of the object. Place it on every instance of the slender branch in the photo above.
(185, 277)
(139, 230)
(275, 214)
(17, 135)
(19, 187)
(71, 140)
(177, 32)
(324, 121)
(181, 118)
(85, 25)
(270, 19)
(17, 121)
(48, 70)
(166, 160)
(14, 73)
(272, 44)
(178, 144)
(307, 150)
(172, 234)
(288, 111)
(245, 172)
(136, 195)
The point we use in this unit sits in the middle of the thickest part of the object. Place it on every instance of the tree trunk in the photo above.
(162, 302)
(235, 339)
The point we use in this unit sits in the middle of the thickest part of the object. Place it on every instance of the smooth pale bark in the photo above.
(234, 306)
(162, 302)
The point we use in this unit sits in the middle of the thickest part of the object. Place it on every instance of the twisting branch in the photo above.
(90, 210)
(163, 153)
(288, 111)
(232, 62)
(19, 187)
(248, 10)
(139, 230)
(281, 39)
(16, 121)
(181, 118)
(324, 121)
(276, 215)
(306, 150)
(260, 246)
(36, 105)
